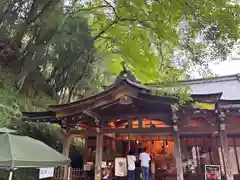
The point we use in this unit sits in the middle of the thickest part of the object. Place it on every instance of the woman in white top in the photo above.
(131, 159)
(145, 159)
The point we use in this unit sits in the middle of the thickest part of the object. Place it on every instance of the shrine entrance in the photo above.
(161, 149)
(160, 146)
(156, 136)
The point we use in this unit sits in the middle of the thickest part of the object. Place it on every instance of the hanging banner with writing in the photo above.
(120, 167)
(212, 172)
(46, 172)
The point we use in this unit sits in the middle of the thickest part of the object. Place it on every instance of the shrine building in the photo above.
(181, 138)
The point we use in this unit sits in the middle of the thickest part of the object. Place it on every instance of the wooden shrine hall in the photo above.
(181, 140)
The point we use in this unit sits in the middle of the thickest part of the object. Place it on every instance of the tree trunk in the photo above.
(70, 94)
(30, 64)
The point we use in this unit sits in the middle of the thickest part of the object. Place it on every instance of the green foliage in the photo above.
(146, 33)
(71, 57)
(68, 52)
(11, 103)
(49, 48)
(69, 48)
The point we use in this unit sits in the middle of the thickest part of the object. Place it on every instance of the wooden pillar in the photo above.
(129, 144)
(65, 151)
(225, 147)
(99, 154)
(177, 148)
(85, 157)
(236, 154)
(178, 156)
(198, 170)
(114, 146)
(129, 136)
(66, 145)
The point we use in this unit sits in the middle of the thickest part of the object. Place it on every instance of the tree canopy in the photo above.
(160, 38)
(67, 49)
(70, 48)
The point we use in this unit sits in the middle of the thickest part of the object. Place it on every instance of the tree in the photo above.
(156, 39)
(51, 45)
(147, 34)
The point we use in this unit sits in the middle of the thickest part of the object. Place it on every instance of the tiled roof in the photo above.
(229, 86)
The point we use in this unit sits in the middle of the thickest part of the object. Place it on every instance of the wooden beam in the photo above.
(197, 129)
(91, 114)
(138, 130)
(235, 128)
(148, 134)
(165, 117)
(145, 131)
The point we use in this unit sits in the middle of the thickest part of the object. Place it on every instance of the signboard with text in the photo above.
(46, 172)
(212, 172)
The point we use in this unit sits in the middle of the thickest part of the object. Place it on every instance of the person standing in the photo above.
(131, 159)
(145, 159)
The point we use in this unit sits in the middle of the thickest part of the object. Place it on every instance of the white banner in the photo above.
(46, 172)
(120, 167)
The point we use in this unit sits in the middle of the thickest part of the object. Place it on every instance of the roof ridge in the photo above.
(211, 79)
(199, 80)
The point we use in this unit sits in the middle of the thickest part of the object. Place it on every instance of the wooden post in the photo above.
(129, 144)
(225, 147)
(236, 154)
(98, 158)
(85, 157)
(66, 145)
(114, 147)
(65, 151)
(177, 148)
(198, 170)
(178, 156)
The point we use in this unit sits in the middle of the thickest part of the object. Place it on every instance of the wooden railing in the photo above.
(70, 174)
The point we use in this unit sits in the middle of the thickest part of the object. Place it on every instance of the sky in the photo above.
(227, 67)
(230, 66)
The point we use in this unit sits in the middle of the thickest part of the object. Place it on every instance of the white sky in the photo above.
(228, 67)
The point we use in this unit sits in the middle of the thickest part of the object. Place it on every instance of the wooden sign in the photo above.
(212, 172)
